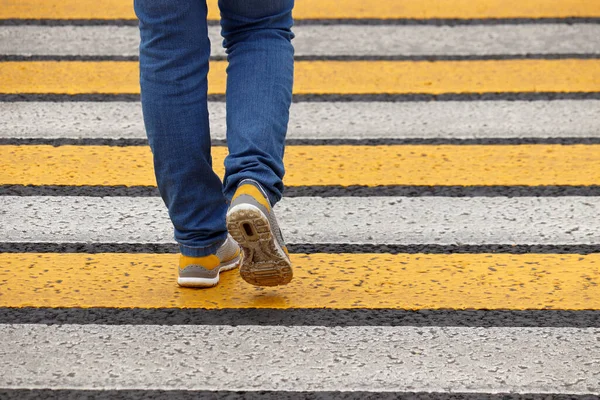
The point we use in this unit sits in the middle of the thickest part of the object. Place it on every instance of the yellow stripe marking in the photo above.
(325, 9)
(403, 281)
(323, 165)
(322, 77)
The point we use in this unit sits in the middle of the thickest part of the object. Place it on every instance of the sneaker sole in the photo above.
(208, 282)
(264, 262)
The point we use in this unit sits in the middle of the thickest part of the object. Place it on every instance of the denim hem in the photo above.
(201, 251)
(273, 199)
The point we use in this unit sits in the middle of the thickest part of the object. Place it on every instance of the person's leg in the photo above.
(174, 55)
(257, 35)
(258, 38)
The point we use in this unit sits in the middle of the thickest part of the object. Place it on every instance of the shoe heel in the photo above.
(247, 225)
(264, 263)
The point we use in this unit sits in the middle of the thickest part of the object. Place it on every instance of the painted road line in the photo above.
(336, 281)
(562, 360)
(325, 77)
(323, 40)
(444, 165)
(334, 120)
(313, 220)
(328, 9)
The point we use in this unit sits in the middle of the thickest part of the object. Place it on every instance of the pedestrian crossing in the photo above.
(444, 122)
(334, 281)
(416, 356)
(442, 199)
(346, 41)
(320, 221)
(345, 165)
(327, 77)
(356, 11)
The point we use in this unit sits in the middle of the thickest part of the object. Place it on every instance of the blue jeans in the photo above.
(174, 62)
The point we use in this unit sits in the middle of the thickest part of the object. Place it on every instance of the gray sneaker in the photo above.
(252, 223)
(204, 271)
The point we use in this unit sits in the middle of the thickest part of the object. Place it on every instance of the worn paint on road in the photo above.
(349, 222)
(401, 281)
(324, 165)
(325, 41)
(264, 358)
(445, 120)
(325, 9)
(325, 77)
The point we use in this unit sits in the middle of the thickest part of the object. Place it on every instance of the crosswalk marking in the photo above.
(324, 165)
(318, 121)
(505, 241)
(326, 9)
(288, 359)
(337, 281)
(325, 77)
(313, 220)
(322, 40)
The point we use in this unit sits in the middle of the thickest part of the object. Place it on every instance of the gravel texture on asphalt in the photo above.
(302, 317)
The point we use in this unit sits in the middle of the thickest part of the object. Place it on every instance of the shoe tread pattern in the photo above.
(263, 263)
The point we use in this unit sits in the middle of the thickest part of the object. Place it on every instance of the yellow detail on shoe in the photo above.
(207, 262)
(237, 253)
(285, 249)
(254, 192)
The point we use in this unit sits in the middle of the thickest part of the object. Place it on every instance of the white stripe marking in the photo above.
(330, 120)
(375, 220)
(318, 40)
(432, 359)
